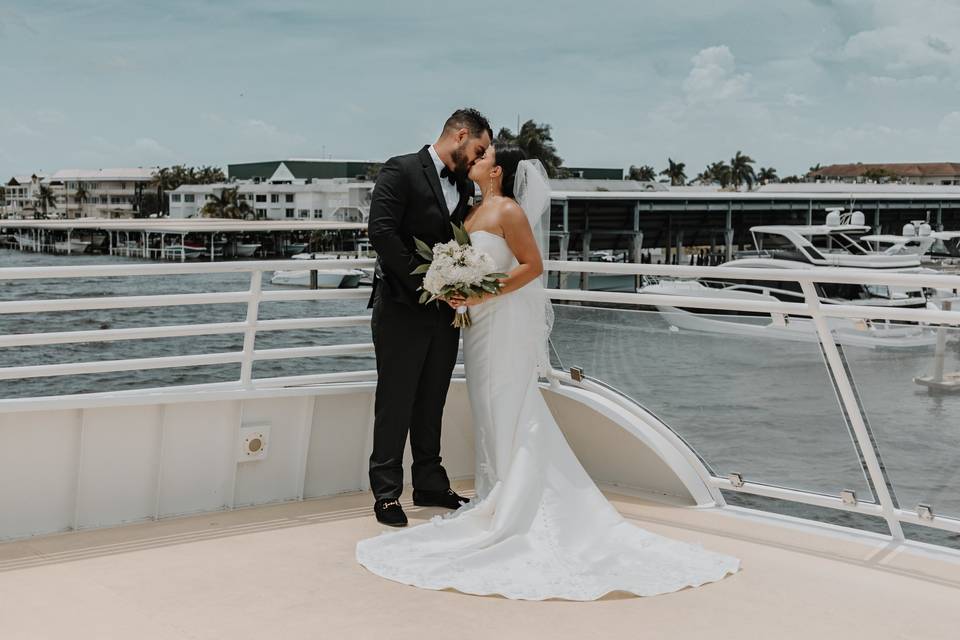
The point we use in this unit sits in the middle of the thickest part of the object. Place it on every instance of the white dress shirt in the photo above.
(450, 193)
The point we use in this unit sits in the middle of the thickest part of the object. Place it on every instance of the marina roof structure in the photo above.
(135, 174)
(190, 225)
(921, 193)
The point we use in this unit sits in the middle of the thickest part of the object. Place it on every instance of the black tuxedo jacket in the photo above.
(408, 202)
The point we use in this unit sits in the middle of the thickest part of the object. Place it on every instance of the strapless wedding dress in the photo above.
(539, 527)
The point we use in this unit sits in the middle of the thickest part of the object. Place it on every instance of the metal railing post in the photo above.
(853, 409)
(250, 334)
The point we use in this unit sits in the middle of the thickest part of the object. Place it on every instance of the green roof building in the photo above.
(300, 169)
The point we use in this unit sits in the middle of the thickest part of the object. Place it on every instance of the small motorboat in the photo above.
(326, 278)
(71, 246)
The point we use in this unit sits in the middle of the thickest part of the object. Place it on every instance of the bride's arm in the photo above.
(519, 236)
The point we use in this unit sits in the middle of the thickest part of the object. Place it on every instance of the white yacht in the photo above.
(72, 245)
(861, 332)
(838, 243)
(231, 507)
(246, 249)
(327, 278)
(801, 247)
(916, 238)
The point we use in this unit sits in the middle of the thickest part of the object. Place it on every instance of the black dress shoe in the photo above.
(389, 512)
(446, 498)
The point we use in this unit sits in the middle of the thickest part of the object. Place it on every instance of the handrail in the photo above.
(810, 307)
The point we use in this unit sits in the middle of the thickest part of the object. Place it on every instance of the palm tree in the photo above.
(163, 181)
(80, 195)
(741, 172)
(537, 142)
(814, 171)
(209, 175)
(767, 174)
(644, 173)
(716, 173)
(227, 205)
(675, 171)
(44, 199)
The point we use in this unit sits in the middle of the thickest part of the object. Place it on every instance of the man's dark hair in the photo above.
(469, 119)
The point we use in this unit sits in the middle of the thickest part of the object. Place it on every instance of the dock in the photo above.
(179, 239)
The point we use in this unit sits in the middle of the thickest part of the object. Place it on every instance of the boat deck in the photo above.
(288, 571)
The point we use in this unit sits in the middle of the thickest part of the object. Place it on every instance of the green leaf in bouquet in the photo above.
(424, 297)
(489, 287)
(460, 234)
(496, 276)
(423, 249)
(421, 269)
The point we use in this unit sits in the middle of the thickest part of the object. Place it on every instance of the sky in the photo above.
(103, 83)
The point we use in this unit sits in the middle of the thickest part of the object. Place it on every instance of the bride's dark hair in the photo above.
(507, 157)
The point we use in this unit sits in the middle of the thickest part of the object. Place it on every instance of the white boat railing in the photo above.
(254, 296)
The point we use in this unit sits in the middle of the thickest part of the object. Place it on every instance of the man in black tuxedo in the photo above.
(416, 195)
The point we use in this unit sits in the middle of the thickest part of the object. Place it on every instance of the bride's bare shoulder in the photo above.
(509, 211)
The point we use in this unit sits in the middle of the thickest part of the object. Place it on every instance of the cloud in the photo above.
(22, 129)
(950, 124)
(119, 63)
(151, 146)
(258, 131)
(50, 116)
(714, 78)
(893, 82)
(797, 100)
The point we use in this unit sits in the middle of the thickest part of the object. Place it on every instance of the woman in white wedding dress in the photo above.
(539, 527)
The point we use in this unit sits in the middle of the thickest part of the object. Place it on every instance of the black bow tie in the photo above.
(449, 175)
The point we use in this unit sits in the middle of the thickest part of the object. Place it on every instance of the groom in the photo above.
(416, 195)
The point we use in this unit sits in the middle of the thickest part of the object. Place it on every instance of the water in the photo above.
(762, 408)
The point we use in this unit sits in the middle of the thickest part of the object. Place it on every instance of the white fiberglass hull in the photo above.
(847, 332)
(73, 246)
(328, 279)
(247, 250)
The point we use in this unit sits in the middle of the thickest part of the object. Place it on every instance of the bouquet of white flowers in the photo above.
(456, 267)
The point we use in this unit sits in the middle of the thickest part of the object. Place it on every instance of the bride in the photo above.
(539, 527)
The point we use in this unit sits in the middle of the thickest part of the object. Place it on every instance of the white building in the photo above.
(101, 193)
(77, 193)
(337, 199)
(20, 195)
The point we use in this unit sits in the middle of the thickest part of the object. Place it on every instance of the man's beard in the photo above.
(461, 167)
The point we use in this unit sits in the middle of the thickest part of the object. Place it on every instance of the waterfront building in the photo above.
(925, 173)
(100, 193)
(337, 200)
(78, 193)
(20, 195)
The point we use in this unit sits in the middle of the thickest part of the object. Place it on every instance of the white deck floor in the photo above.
(287, 572)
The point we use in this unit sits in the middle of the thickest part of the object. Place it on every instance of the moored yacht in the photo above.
(327, 278)
(799, 247)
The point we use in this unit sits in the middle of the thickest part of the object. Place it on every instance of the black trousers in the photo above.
(416, 350)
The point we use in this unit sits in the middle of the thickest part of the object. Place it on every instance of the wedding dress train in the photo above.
(539, 527)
